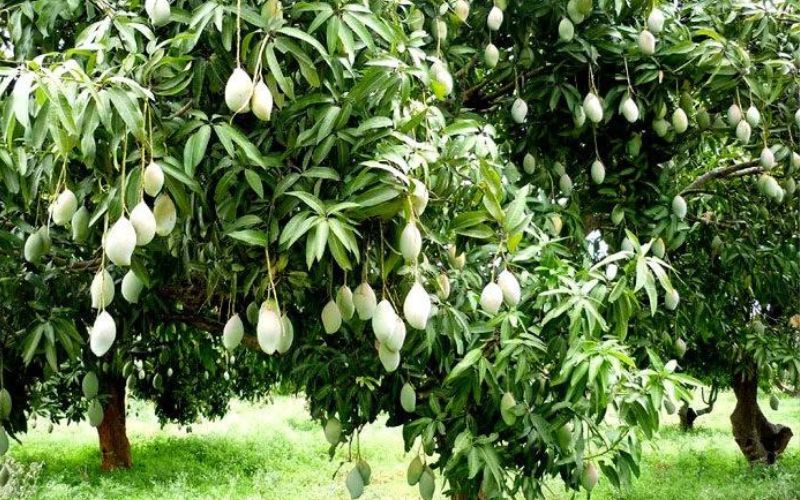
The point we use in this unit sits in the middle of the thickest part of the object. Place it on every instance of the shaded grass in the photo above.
(276, 451)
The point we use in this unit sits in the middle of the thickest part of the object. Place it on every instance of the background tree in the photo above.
(314, 150)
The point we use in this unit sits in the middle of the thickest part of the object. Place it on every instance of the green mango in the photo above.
(355, 483)
(3, 441)
(408, 398)
(4, 475)
(90, 385)
(333, 431)
(427, 484)
(5, 403)
(365, 470)
(564, 436)
(414, 471)
(95, 413)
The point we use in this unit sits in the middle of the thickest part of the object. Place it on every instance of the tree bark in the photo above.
(758, 439)
(687, 416)
(466, 496)
(114, 444)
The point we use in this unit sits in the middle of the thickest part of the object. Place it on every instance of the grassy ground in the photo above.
(275, 451)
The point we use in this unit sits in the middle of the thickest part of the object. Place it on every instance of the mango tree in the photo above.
(679, 124)
(389, 204)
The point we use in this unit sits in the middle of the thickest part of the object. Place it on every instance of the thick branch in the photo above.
(746, 168)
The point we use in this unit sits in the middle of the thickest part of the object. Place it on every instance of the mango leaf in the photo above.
(195, 149)
(20, 98)
(470, 359)
(253, 237)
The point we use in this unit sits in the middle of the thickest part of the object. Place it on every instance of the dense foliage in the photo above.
(539, 144)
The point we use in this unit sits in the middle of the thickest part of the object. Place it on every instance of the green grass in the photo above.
(276, 451)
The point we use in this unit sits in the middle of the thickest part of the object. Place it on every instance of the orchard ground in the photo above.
(275, 451)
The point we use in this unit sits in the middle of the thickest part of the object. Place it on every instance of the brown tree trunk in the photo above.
(759, 439)
(465, 496)
(114, 444)
(687, 416)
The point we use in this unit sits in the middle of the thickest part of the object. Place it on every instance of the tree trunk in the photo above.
(466, 496)
(759, 439)
(114, 444)
(687, 416)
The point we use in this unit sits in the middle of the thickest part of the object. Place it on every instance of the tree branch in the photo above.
(738, 169)
(194, 299)
(469, 95)
(78, 265)
(748, 171)
(712, 399)
(209, 325)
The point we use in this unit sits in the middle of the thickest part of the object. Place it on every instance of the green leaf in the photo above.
(374, 123)
(275, 68)
(309, 199)
(296, 228)
(493, 206)
(128, 110)
(470, 359)
(642, 273)
(229, 135)
(32, 343)
(195, 149)
(481, 231)
(176, 173)
(652, 294)
(254, 181)
(321, 238)
(339, 254)
(307, 67)
(359, 29)
(20, 98)
(253, 237)
(327, 122)
(302, 35)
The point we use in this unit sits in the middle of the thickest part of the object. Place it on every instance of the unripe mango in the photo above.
(238, 91)
(120, 242)
(131, 287)
(153, 179)
(64, 207)
(417, 307)
(491, 298)
(365, 301)
(331, 317)
(144, 223)
(102, 334)
(165, 214)
(233, 333)
(494, 19)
